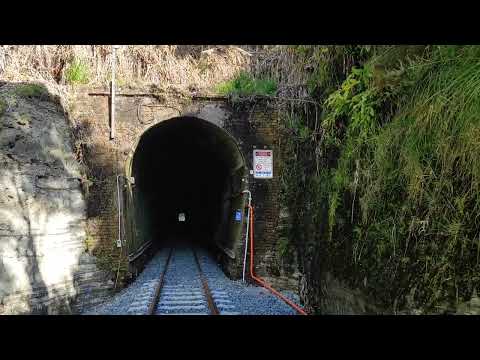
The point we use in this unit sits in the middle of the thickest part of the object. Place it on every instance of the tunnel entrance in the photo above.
(189, 174)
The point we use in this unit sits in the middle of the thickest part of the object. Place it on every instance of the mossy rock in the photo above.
(22, 119)
(32, 91)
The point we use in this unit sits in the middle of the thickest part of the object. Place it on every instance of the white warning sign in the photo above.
(262, 164)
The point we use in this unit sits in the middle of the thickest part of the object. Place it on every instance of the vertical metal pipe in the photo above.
(119, 210)
(112, 96)
(246, 235)
(119, 240)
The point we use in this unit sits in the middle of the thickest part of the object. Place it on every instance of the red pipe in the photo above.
(260, 280)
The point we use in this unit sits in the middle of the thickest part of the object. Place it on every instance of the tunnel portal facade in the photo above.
(176, 155)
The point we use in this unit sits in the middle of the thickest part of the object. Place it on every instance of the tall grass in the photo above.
(420, 186)
(384, 192)
(165, 65)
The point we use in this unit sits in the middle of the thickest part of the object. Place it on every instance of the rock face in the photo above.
(337, 298)
(471, 307)
(43, 265)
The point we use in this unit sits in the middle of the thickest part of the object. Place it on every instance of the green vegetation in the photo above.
(111, 261)
(77, 72)
(244, 84)
(3, 106)
(32, 91)
(384, 184)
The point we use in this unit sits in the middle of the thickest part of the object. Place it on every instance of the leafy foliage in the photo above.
(385, 191)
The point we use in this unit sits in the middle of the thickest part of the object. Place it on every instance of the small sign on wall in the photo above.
(263, 164)
(238, 215)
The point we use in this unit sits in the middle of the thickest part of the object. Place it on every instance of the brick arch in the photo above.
(217, 121)
(229, 232)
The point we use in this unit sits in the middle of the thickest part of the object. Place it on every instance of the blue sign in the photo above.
(238, 215)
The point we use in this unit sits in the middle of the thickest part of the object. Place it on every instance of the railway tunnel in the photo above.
(188, 166)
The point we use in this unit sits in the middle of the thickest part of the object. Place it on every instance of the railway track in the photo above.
(184, 281)
(181, 289)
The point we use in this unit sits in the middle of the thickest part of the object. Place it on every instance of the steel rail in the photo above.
(158, 289)
(211, 303)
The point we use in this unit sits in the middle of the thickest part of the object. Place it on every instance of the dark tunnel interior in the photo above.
(190, 166)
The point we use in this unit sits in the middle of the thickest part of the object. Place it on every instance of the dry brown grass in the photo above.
(281, 63)
(181, 66)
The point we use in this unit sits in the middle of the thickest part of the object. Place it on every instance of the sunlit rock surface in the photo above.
(43, 267)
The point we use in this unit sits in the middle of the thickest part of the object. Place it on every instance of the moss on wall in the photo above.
(381, 181)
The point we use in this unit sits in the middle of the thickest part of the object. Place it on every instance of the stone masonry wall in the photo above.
(256, 127)
(104, 159)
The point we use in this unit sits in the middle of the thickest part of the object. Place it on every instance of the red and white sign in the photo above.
(263, 164)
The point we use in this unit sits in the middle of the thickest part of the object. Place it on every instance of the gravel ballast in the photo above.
(182, 292)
